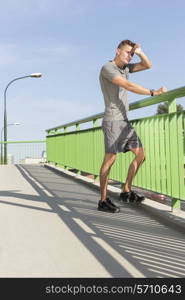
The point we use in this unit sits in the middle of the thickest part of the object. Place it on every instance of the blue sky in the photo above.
(68, 41)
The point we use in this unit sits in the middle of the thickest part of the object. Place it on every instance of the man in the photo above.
(119, 135)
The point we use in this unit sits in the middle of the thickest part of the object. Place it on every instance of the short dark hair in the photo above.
(126, 42)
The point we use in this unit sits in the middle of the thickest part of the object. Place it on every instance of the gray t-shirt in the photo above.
(115, 97)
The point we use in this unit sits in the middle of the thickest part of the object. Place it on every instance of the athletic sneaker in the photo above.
(131, 197)
(136, 197)
(111, 203)
(106, 207)
(125, 196)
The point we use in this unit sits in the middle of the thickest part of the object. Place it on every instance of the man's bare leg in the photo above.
(133, 168)
(108, 161)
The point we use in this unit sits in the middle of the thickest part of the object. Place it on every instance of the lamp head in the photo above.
(36, 75)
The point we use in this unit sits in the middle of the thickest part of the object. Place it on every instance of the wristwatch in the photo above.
(152, 92)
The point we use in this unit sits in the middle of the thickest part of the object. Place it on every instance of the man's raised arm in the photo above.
(144, 64)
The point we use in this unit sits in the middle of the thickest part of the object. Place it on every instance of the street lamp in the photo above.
(2, 139)
(33, 75)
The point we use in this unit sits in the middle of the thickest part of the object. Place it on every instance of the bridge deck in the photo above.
(50, 227)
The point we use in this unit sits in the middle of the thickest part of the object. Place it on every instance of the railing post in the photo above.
(95, 124)
(56, 131)
(77, 126)
(77, 129)
(65, 130)
(96, 178)
(172, 107)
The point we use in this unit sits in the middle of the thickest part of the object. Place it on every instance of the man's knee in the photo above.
(143, 159)
(140, 154)
(109, 158)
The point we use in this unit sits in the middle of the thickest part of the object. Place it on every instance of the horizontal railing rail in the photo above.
(22, 142)
(168, 96)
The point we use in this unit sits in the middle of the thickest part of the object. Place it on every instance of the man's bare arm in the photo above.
(136, 88)
(144, 64)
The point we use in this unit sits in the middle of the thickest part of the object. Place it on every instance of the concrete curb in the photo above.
(160, 211)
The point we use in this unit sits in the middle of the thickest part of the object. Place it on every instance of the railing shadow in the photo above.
(126, 244)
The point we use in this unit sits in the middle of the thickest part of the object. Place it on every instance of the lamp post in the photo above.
(2, 139)
(33, 75)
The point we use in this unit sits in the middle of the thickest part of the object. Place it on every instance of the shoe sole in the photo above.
(117, 210)
(139, 200)
(136, 200)
(132, 201)
(124, 201)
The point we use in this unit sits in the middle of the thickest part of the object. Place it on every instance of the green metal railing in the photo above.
(162, 137)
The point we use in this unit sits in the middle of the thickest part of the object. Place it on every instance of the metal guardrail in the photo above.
(162, 136)
(21, 151)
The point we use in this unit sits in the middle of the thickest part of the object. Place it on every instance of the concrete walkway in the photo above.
(50, 227)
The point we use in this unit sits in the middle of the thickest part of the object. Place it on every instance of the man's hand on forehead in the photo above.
(136, 49)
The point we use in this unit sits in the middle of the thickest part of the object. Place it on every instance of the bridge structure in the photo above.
(49, 222)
